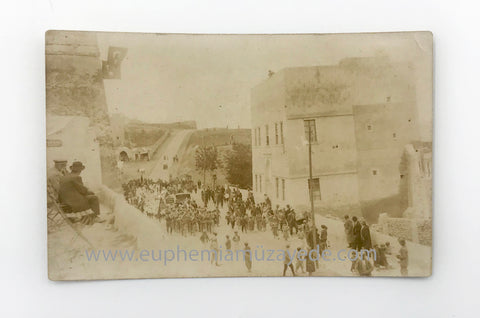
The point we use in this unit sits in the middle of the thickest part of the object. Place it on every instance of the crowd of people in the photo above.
(157, 199)
(244, 215)
(148, 195)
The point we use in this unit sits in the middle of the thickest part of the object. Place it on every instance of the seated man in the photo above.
(54, 175)
(77, 197)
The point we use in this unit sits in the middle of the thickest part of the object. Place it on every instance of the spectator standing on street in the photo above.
(228, 243)
(365, 236)
(403, 257)
(348, 226)
(236, 241)
(287, 261)
(300, 260)
(248, 257)
(357, 239)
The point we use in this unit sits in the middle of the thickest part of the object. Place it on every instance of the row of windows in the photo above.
(279, 186)
(310, 133)
(258, 183)
(278, 130)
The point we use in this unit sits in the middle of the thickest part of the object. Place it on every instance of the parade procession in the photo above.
(293, 168)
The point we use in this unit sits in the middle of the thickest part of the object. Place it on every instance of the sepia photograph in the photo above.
(239, 159)
(179, 155)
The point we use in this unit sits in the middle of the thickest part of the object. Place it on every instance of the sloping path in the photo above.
(170, 148)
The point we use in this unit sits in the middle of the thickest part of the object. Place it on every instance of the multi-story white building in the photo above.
(361, 113)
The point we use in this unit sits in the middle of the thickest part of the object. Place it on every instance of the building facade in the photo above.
(359, 115)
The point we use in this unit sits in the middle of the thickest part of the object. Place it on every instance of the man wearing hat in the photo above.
(236, 241)
(54, 175)
(73, 193)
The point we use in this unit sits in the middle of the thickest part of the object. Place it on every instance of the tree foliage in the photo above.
(238, 165)
(206, 159)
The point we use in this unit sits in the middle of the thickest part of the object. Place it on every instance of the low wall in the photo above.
(413, 229)
(130, 220)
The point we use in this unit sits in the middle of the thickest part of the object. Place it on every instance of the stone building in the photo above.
(361, 112)
(74, 87)
(74, 80)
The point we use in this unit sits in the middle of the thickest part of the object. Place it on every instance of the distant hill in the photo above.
(190, 124)
(220, 137)
(142, 134)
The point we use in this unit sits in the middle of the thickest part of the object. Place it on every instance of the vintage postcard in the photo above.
(203, 155)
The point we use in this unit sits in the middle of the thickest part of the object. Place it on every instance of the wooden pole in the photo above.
(312, 205)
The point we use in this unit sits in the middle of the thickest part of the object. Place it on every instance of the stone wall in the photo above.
(131, 221)
(412, 229)
(424, 229)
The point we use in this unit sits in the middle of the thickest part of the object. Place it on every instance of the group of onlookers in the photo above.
(358, 237)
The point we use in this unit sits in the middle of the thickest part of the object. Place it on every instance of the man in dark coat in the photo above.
(348, 226)
(73, 193)
(365, 234)
(357, 239)
(310, 239)
(291, 219)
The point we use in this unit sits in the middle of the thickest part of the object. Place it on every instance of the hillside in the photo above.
(142, 135)
(176, 125)
(220, 137)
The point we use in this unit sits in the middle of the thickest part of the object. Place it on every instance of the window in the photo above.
(283, 189)
(281, 132)
(267, 137)
(369, 127)
(374, 172)
(277, 187)
(259, 137)
(310, 130)
(260, 182)
(315, 184)
(256, 179)
(276, 133)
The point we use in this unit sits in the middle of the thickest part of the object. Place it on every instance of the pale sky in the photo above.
(208, 78)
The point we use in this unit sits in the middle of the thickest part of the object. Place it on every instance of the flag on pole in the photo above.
(111, 68)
